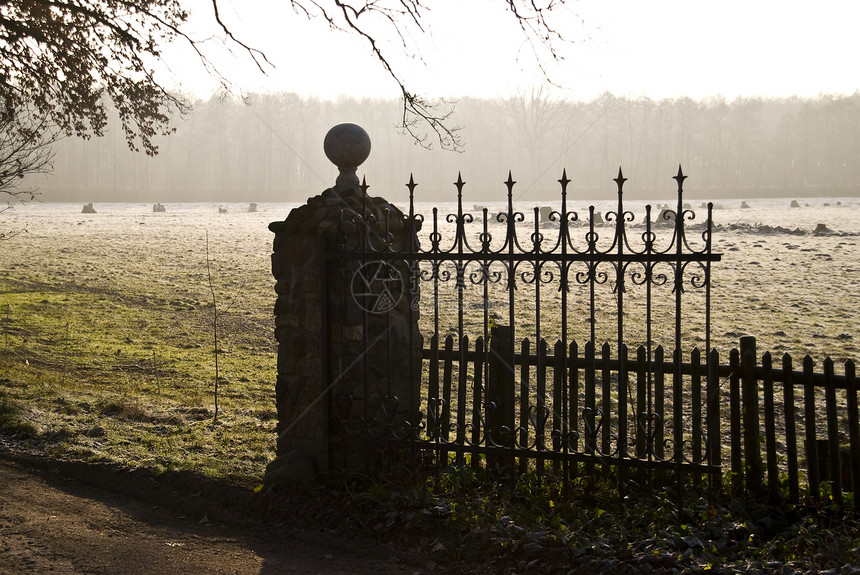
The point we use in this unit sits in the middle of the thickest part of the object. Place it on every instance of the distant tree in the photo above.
(24, 150)
(533, 119)
(63, 63)
(68, 60)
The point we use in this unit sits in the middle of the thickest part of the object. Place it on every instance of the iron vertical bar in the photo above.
(460, 265)
(414, 287)
(485, 356)
(709, 228)
(510, 242)
(537, 266)
(436, 264)
(679, 288)
(591, 349)
(620, 238)
(677, 414)
(679, 248)
(649, 276)
(563, 287)
(592, 274)
(542, 361)
(462, 340)
(540, 427)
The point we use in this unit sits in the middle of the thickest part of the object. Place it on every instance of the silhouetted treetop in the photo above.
(66, 60)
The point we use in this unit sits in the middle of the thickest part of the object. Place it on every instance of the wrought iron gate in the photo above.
(515, 363)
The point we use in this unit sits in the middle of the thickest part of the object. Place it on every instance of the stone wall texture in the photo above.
(341, 369)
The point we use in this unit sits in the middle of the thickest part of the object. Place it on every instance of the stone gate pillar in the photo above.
(329, 360)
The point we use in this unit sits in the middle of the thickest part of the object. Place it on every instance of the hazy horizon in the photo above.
(269, 149)
(749, 98)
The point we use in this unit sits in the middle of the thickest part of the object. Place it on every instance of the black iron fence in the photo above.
(517, 312)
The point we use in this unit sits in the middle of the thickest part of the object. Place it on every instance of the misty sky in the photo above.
(662, 49)
(658, 48)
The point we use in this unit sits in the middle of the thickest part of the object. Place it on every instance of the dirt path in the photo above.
(51, 523)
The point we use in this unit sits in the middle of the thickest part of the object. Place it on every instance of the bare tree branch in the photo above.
(25, 149)
(67, 60)
(257, 56)
(400, 17)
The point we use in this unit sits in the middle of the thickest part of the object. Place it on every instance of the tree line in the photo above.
(268, 148)
(65, 65)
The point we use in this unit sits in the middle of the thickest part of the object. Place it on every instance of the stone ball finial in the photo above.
(347, 146)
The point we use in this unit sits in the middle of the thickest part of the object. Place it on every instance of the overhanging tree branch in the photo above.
(399, 17)
(25, 149)
(67, 60)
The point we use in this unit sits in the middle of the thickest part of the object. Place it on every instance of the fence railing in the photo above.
(482, 394)
(573, 406)
(750, 428)
(791, 429)
(502, 266)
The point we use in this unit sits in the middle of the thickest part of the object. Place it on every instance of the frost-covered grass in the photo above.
(107, 349)
(116, 309)
(107, 354)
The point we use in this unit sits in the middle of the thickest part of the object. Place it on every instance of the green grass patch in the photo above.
(124, 377)
(13, 420)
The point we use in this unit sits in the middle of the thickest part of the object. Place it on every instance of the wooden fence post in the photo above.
(715, 458)
(812, 477)
(753, 467)
(500, 394)
(525, 385)
(834, 469)
(790, 414)
(853, 430)
(735, 453)
(559, 374)
(773, 491)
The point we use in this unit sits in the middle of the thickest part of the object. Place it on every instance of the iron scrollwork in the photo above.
(582, 256)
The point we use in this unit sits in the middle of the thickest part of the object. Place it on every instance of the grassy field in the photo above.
(109, 325)
(108, 346)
